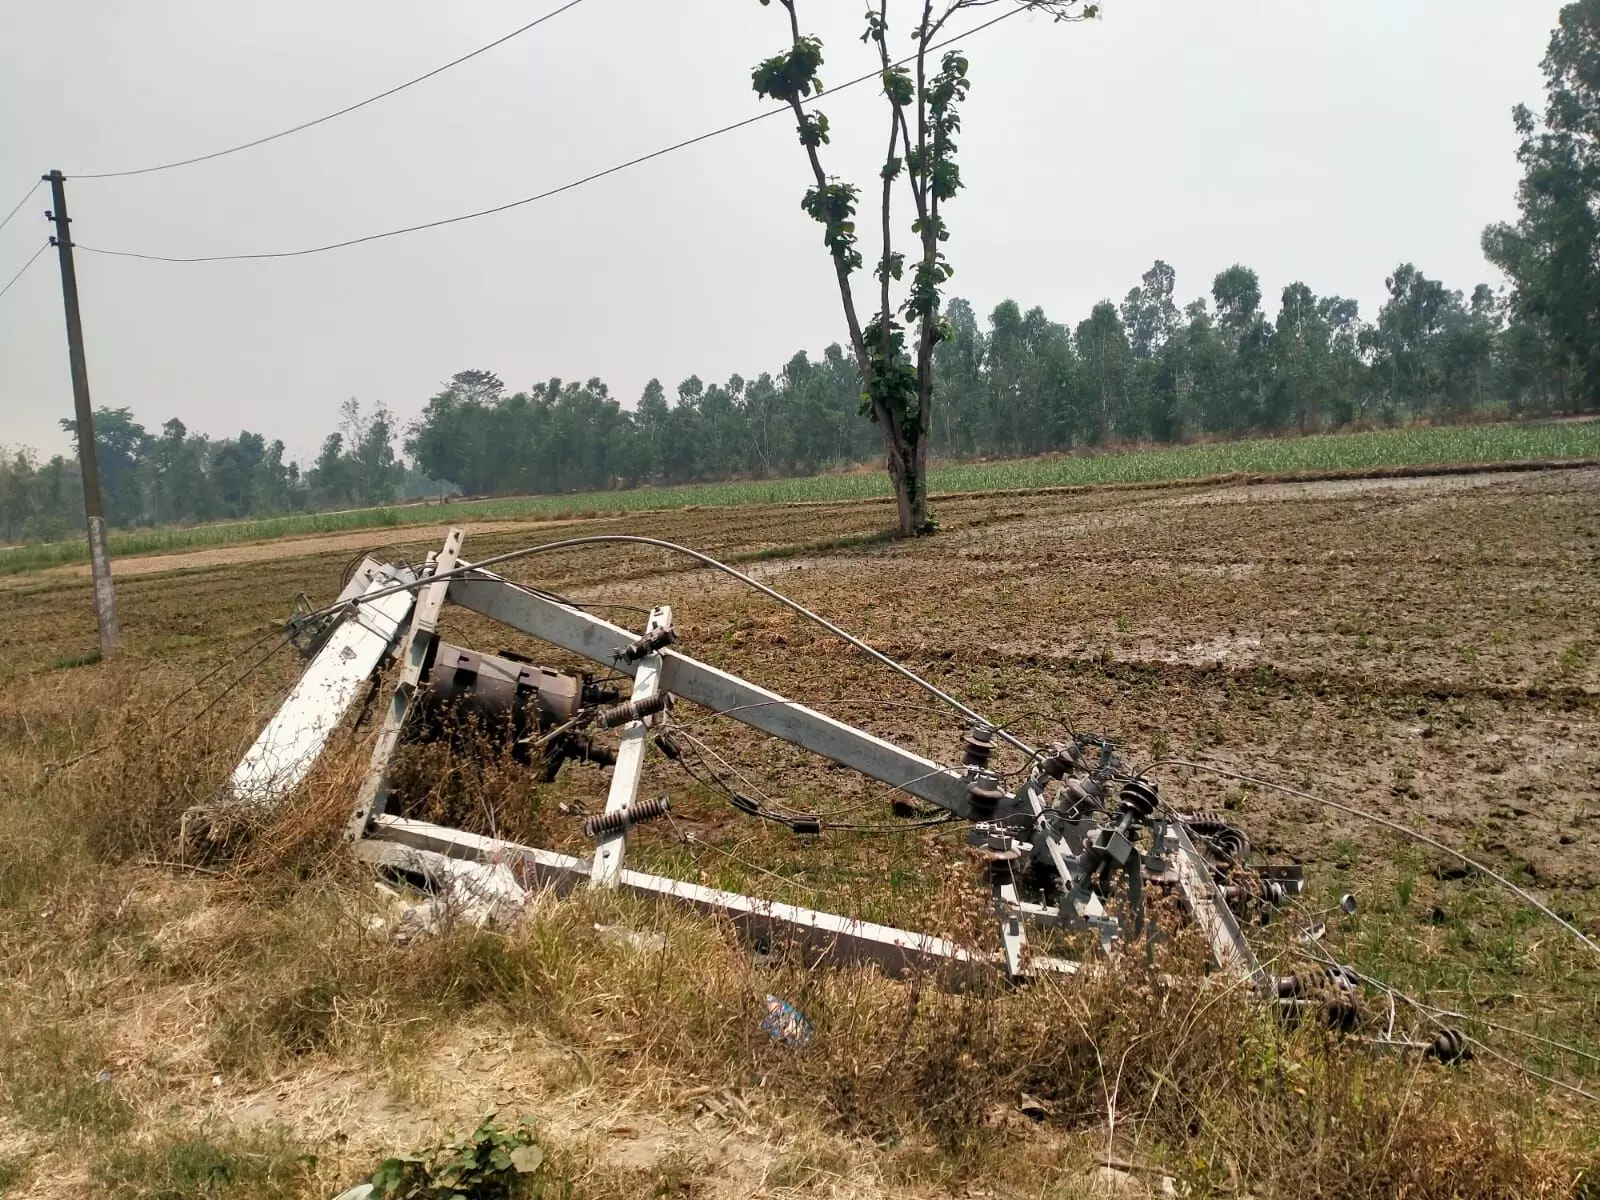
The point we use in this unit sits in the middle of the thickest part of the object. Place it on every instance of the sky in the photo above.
(1312, 141)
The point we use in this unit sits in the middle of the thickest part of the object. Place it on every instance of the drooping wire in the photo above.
(24, 270)
(597, 539)
(544, 195)
(769, 810)
(283, 133)
(1430, 1014)
(1375, 819)
(18, 205)
(689, 839)
(1303, 947)
(63, 764)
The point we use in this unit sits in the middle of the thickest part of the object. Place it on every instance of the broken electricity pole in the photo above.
(105, 610)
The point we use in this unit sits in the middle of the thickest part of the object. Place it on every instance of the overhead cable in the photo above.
(18, 205)
(545, 195)
(1375, 819)
(25, 266)
(283, 133)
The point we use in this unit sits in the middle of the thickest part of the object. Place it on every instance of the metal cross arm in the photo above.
(728, 695)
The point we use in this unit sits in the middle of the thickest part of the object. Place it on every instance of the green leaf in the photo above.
(526, 1159)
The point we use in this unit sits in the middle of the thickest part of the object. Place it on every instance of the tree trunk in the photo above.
(905, 466)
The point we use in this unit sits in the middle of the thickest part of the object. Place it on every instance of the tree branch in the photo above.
(857, 342)
(886, 346)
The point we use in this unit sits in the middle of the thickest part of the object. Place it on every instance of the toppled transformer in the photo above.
(1078, 846)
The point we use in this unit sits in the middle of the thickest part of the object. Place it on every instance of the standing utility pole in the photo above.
(105, 609)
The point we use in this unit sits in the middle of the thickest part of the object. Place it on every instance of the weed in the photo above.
(76, 660)
(1160, 745)
(58, 1080)
(217, 1166)
(490, 1163)
(13, 1174)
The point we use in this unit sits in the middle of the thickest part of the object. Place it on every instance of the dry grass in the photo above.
(229, 1021)
(130, 988)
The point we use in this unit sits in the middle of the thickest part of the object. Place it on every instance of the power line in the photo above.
(1431, 1014)
(545, 195)
(20, 203)
(1405, 830)
(272, 137)
(25, 267)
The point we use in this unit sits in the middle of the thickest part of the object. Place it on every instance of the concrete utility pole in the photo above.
(105, 608)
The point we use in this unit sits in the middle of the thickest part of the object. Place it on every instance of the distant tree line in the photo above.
(178, 477)
(1144, 369)
(1023, 384)
(1019, 383)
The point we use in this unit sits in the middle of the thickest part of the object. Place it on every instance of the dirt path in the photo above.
(301, 547)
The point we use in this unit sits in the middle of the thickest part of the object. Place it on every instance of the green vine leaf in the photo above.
(833, 206)
(898, 86)
(790, 76)
(813, 129)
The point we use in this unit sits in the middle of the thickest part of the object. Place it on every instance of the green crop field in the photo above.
(1411, 447)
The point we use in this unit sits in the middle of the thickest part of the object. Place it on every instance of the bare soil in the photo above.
(322, 543)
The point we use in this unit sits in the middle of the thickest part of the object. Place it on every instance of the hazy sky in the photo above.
(1311, 140)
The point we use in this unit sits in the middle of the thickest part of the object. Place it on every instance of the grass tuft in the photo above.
(221, 1165)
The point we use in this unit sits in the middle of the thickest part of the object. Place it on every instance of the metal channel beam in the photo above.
(1210, 911)
(818, 935)
(414, 652)
(718, 691)
(630, 760)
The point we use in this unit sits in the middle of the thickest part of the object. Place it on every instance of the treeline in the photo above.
(1017, 383)
(179, 477)
(1021, 383)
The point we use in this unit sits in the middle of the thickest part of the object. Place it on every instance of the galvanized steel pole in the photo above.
(105, 609)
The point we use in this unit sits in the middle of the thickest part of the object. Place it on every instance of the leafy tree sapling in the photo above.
(924, 116)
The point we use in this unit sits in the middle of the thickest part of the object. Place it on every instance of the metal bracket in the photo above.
(414, 652)
(607, 869)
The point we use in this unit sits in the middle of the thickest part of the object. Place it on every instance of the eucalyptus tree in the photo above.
(1552, 252)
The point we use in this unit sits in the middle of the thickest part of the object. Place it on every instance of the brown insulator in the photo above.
(632, 710)
(1255, 890)
(1222, 839)
(984, 796)
(978, 746)
(1449, 1047)
(649, 644)
(1312, 979)
(1341, 1012)
(1055, 765)
(1139, 797)
(612, 823)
